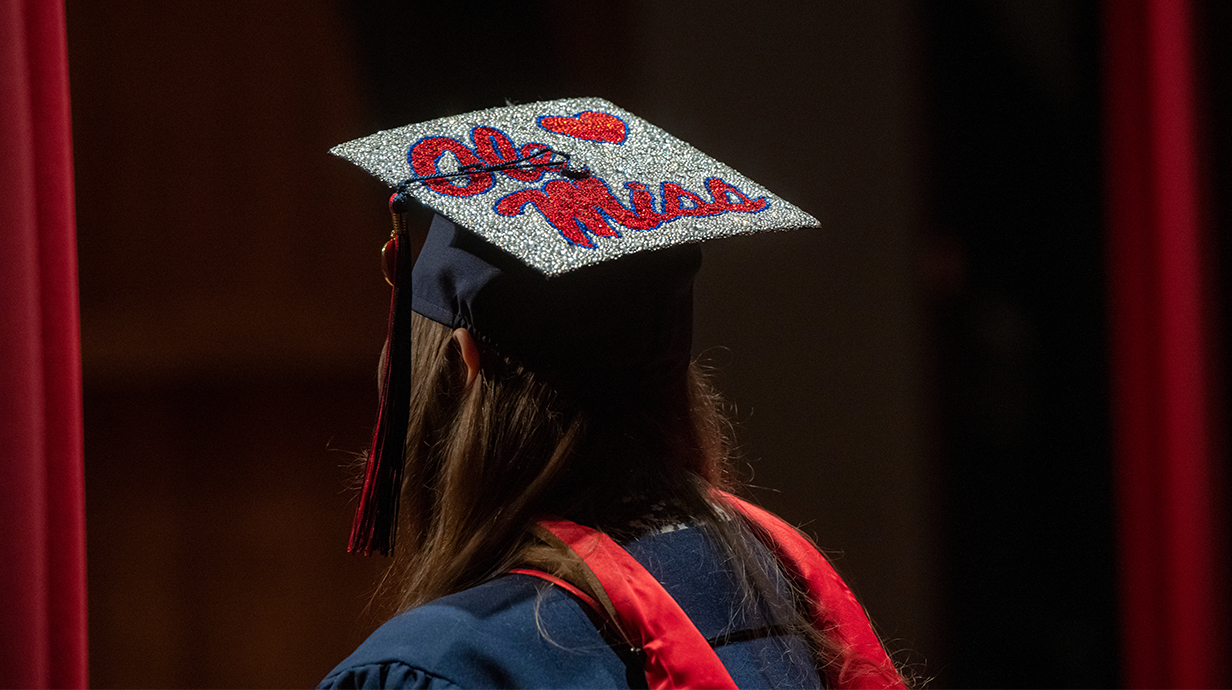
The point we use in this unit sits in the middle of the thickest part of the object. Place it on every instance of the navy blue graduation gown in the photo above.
(518, 631)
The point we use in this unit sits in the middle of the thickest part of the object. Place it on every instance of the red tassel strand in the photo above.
(376, 518)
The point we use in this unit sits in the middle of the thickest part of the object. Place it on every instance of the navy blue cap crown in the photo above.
(600, 331)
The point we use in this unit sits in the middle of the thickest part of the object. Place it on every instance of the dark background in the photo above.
(921, 383)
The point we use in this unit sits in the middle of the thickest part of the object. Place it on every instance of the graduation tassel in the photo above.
(376, 518)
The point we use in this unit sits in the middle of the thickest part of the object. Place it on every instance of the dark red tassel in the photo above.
(376, 518)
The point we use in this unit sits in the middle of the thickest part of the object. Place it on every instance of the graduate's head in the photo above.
(490, 451)
(534, 394)
(565, 245)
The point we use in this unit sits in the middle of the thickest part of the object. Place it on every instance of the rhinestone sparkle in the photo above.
(547, 220)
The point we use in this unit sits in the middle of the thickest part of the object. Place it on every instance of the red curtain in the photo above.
(1161, 367)
(42, 510)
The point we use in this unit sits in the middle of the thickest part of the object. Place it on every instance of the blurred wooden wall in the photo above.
(231, 320)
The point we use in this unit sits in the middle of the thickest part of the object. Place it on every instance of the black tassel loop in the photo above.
(557, 161)
(376, 518)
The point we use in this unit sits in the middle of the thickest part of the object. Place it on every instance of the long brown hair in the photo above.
(484, 461)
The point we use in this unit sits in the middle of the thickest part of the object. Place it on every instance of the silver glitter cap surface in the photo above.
(627, 187)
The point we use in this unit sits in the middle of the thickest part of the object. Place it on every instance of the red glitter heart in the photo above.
(590, 125)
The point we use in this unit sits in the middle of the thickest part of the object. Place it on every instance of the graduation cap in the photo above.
(565, 237)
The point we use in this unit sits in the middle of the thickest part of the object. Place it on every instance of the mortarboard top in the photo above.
(645, 189)
(547, 215)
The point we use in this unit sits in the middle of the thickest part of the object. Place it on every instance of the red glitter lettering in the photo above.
(643, 202)
(572, 209)
(495, 147)
(674, 193)
(425, 157)
(587, 205)
(722, 192)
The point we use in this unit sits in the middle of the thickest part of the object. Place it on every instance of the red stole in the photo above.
(677, 656)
